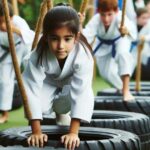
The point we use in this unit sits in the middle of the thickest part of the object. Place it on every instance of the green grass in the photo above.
(16, 117)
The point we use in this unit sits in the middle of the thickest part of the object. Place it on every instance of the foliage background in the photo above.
(30, 10)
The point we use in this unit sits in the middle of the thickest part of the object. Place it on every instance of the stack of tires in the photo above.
(145, 90)
(91, 138)
(135, 123)
(110, 99)
(109, 130)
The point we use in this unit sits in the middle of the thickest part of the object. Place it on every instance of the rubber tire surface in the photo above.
(139, 105)
(142, 83)
(113, 92)
(132, 122)
(91, 138)
(29, 148)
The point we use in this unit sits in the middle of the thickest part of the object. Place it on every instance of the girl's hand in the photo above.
(71, 141)
(37, 140)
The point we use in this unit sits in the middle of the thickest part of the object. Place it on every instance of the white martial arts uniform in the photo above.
(48, 86)
(139, 4)
(6, 67)
(7, 74)
(145, 31)
(111, 68)
(26, 32)
(130, 11)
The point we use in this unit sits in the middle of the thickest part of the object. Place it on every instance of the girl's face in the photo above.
(107, 17)
(61, 41)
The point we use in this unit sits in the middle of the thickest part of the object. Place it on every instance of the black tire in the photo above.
(31, 148)
(142, 83)
(139, 105)
(132, 122)
(17, 99)
(136, 123)
(113, 92)
(144, 88)
(91, 138)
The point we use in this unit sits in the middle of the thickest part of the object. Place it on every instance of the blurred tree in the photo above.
(30, 9)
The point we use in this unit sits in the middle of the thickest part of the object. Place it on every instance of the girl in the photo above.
(58, 76)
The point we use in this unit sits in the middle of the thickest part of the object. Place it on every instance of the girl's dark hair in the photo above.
(2, 9)
(61, 15)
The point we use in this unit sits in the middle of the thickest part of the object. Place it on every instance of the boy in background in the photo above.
(111, 50)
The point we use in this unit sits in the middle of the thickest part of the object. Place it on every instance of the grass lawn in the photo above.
(16, 117)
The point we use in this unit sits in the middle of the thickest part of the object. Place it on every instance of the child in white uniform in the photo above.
(22, 37)
(58, 76)
(143, 31)
(110, 49)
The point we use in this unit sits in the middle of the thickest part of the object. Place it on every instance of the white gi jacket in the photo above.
(130, 11)
(26, 32)
(110, 68)
(43, 81)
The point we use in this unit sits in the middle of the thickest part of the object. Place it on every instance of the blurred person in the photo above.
(143, 32)
(110, 48)
(23, 38)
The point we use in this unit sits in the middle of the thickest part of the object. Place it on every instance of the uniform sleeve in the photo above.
(146, 32)
(90, 30)
(26, 32)
(33, 77)
(81, 89)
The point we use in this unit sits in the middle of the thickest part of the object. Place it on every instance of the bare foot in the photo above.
(128, 97)
(4, 117)
(3, 120)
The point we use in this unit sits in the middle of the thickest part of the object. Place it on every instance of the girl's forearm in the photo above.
(36, 126)
(75, 125)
